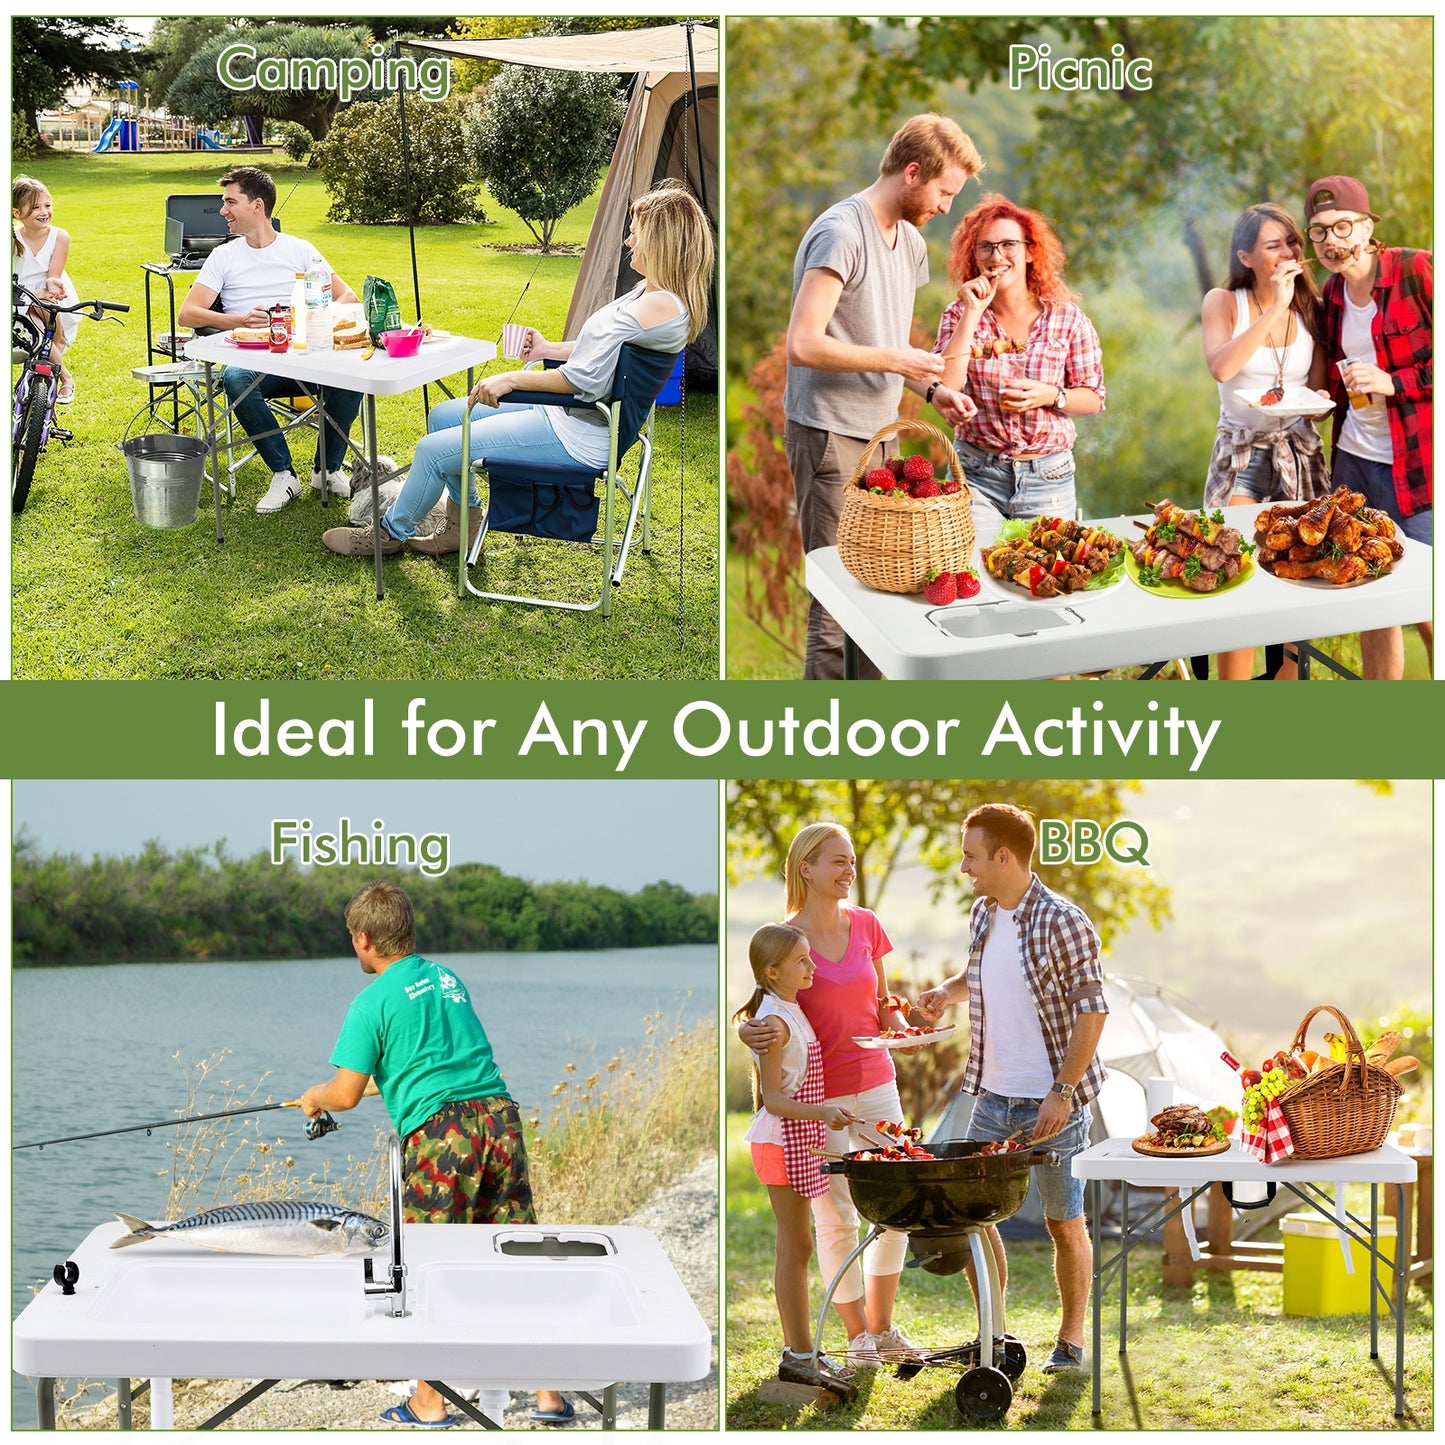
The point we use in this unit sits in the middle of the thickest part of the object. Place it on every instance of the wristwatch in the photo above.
(1064, 1091)
(928, 395)
(1061, 401)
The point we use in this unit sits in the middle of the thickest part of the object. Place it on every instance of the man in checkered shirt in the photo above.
(1035, 990)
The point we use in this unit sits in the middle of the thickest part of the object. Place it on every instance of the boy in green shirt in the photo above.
(415, 1032)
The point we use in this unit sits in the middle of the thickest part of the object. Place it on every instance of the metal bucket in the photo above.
(166, 473)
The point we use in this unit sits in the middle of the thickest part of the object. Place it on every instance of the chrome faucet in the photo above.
(395, 1284)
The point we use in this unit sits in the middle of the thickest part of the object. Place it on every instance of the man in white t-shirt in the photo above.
(1034, 984)
(237, 285)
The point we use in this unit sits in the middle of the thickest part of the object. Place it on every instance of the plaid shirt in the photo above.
(1062, 349)
(1404, 347)
(1060, 953)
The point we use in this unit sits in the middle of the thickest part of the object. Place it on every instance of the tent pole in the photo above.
(696, 115)
(410, 224)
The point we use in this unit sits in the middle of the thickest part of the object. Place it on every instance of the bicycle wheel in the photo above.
(27, 442)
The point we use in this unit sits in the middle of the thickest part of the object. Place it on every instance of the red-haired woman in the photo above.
(1026, 354)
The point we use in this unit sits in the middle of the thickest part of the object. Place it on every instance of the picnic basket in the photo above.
(892, 543)
(1344, 1108)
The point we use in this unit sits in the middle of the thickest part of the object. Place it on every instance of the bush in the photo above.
(295, 139)
(361, 164)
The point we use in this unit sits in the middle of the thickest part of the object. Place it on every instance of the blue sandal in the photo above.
(402, 1415)
(565, 1416)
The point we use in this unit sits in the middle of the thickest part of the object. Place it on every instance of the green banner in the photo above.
(715, 730)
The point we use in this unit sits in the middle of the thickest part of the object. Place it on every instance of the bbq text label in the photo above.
(1084, 842)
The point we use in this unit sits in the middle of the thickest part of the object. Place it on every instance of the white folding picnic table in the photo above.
(1114, 1161)
(378, 375)
(998, 637)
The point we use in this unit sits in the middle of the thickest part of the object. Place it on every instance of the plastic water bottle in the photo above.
(318, 305)
(298, 312)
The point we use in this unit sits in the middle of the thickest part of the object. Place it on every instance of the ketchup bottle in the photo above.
(280, 332)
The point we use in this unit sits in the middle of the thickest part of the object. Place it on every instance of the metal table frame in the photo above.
(1108, 1163)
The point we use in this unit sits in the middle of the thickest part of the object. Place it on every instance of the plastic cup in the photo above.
(1357, 398)
(513, 336)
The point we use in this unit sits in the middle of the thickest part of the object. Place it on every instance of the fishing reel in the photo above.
(322, 1125)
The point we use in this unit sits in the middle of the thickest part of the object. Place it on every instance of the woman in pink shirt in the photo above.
(848, 946)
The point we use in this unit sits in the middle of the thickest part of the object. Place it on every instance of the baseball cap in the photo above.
(1338, 193)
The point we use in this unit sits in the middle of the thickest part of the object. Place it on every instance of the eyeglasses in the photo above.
(1340, 228)
(992, 248)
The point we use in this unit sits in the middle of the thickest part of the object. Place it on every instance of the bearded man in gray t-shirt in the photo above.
(849, 357)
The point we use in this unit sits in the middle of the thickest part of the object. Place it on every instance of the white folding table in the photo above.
(1114, 1161)
(378, 375)
(997, 636)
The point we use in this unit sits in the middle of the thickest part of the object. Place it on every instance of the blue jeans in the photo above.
(510, 432)
(996, 1116)
(255, 416)
(1003, 488)
(1377, 482)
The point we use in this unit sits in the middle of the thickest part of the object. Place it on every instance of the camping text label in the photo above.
(238, 69)
(1084, 842)
(1078, 72)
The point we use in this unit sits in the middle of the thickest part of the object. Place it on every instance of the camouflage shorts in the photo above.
(468, 1165)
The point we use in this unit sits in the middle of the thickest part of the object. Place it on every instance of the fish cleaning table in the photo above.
(1124, 626)
(493, 1306)
(1114, 1161)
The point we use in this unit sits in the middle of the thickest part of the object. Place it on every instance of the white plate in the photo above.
(436, 336)
(1297, 401)
(909, 1041)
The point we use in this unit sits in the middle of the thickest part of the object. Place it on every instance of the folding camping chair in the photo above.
(559, 501)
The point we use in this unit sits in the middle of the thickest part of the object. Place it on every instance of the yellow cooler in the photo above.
(1315, 1282)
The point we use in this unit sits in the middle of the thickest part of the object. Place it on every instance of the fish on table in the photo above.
(273, 1226)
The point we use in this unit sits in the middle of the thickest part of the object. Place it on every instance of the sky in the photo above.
(620, 834)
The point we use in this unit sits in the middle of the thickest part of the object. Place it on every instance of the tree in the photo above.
(173, 40)
(893, 820)
(47, 55)
(541, 139)
(199, 93)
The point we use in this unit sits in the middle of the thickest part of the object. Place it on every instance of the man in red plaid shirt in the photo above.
(1034, 983)
(1379, 338)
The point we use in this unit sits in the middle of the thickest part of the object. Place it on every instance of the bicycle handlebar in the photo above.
(56, 309)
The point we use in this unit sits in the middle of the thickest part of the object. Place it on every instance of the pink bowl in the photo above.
(406, 342)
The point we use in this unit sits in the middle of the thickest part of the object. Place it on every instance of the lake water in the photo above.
(93, 1049)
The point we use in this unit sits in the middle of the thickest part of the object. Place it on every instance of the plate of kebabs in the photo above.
(1189, 554)
(1050, 559)
(1181, 1130)
(1287, 401)
(1334, 541)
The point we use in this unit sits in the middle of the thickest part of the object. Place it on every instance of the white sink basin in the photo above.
(173, 1291)
(572, 1298)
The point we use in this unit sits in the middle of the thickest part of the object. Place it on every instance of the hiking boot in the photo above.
(359, 542)
(1064, 1357)
(284, 488)
(893, 1345)
(800, 1370)
(446, 542)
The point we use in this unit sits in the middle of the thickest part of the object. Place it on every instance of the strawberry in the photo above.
(880, 479)
(951, 486)
(941, 588)
(966, 582)
(918, 469)
(930, 488)
(895, 465)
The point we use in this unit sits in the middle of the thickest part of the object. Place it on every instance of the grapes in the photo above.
(1258, 1097)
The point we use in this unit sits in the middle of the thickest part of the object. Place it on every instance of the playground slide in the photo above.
(209, 142)
(108, 134)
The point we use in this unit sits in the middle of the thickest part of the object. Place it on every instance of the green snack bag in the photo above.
(382, 311)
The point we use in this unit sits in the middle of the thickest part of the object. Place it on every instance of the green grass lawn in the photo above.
(1219, 1354)
(97, 595)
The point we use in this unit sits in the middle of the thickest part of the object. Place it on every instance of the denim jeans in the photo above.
(255, 416)
(510, 432)
(1003, 488)
(996, 1116)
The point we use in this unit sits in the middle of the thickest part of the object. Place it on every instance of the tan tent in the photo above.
(671, 129)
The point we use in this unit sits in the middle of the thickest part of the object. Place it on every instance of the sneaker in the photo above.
(892, 1344)
(863, 1350)
(338, 484)
(1064, 1357)
(284, 488)
(359, 542)
(800, 1370)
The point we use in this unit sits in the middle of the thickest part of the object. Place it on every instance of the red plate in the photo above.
(250, 345)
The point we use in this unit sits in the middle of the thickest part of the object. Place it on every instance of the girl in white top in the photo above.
(1259, 333)
(38, 264)
(786, 1130)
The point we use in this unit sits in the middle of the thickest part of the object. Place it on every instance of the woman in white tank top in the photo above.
(1259, 332)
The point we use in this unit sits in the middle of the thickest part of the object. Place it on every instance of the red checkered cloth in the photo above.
(802, 1136)
(1272, 1143)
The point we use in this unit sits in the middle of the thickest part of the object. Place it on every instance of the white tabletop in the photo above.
(1125, 626)
(1116, 1159)
(379, 375)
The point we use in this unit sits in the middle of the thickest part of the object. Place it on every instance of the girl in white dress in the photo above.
(38, 263)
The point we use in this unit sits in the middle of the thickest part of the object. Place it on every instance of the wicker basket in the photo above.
(892, 543)
(1344, 1108)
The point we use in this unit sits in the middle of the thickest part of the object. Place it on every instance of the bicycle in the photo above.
(33, 416)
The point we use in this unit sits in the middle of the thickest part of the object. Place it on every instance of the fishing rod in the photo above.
(316, 1128)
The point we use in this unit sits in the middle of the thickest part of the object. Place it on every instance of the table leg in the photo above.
(850, 658)
(45, 1401)
(656, 1406)
(215, 447)
(1402, 1285)
(1124, 1267)
(462, 549)
(609, 1395)
(1375, 1270)
(124, 1419)
(370, 424)
(319, 400)
(1096, 1190)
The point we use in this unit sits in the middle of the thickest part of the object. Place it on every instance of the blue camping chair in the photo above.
(560, 501)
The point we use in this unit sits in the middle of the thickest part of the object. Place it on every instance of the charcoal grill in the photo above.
(944, 1204)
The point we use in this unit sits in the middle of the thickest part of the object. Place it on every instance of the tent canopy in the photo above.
(657, 48)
